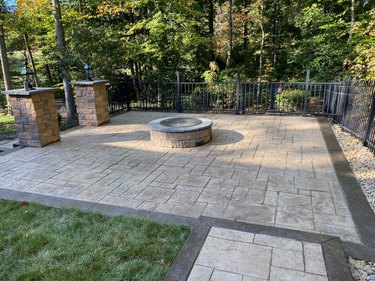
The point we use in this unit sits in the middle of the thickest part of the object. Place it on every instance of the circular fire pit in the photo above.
(180, 131)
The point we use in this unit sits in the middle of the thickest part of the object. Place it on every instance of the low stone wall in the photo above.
(182, 140)
(180, 131)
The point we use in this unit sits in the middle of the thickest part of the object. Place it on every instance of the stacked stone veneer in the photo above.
(35, 116)
(181, 140)
(92, 102)
(180, 131)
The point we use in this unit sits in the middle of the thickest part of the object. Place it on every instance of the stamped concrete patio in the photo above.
(269, 170)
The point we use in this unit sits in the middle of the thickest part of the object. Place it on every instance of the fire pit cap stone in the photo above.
(180, 124)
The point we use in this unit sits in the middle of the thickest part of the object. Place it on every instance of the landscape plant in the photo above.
(290, 100)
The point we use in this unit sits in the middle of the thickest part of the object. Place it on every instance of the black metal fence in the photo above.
(219, 97)
(352, 105)
(348, 103)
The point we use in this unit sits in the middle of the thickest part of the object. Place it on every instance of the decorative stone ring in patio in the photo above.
(181, 131)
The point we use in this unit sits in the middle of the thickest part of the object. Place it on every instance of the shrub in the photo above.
(290, 100)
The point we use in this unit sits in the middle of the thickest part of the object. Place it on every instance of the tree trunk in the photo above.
(4, 61)
(5, 67)
(211, 19)
(70, 106)
(48, 74)
(352, 20)
(245, 37)
(261, 43)
(30, 54)
(260, 53)
(230, 34)
(276, 30)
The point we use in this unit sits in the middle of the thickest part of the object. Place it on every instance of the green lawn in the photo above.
(6, 124)
(43, 243)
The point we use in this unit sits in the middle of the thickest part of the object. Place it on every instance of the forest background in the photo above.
(269, 40)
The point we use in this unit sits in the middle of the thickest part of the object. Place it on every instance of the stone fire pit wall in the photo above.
(35, 116)
(92, 102)
(180, 132)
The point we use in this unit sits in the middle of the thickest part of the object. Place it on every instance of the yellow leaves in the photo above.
(29, 6)
(108, 8)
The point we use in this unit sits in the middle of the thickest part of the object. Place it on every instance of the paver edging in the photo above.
(337, 268)
(10, 150)
(184, 262)
(334, 256)
(358, 251)
(363, 217)
(335, 260)
(181, 267)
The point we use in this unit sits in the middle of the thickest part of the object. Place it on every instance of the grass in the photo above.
(43, 243)
(6, 124)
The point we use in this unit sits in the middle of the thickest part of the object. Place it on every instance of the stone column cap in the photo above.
(23, 92)
(88, 82)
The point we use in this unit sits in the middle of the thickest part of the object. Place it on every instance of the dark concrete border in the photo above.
(362, 215)
(184, 262)
(337, 267)
(10, 150)
(336, 264)
(358, 251)
(105, 209)
(51, 201)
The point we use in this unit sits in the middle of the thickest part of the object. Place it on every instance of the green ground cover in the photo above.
(43, 243)
(6, 123)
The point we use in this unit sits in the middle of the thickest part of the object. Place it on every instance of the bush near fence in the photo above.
(290, 100)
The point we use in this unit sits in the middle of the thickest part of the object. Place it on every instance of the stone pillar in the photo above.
(35, 116)
(92, 102)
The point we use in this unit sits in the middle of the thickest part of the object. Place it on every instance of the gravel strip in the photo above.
(362, 270)
(362, 162)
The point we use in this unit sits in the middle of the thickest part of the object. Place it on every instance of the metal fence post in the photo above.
(237, 111)
(370, 119)
(178, 93)
(306, 92)
(344, 103)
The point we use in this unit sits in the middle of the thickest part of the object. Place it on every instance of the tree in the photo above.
(150, 40)
(4, 61)
(230, 34)
(31, 58)
(361, 63)
(70, 106)
(352, 9)
(3, 55)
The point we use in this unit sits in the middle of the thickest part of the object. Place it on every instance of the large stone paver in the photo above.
(270, 170)
(235, 255)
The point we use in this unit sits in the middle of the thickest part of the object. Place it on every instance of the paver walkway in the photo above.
(230, 255)
(269, 170)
